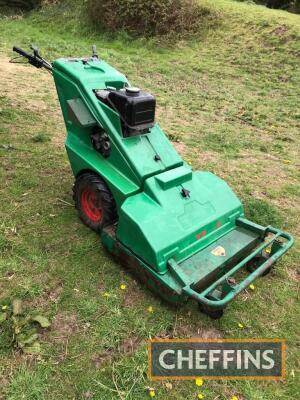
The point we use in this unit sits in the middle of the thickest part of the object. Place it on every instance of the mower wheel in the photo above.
(256, 262)
(94, 201)
(212, 313)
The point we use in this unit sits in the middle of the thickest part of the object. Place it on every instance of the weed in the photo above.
(19, 328)
(41, 138)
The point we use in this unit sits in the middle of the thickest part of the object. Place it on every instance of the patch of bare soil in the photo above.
(293, 274)
(262, 165)
(27, 88)
(133, 297)
(208, 157)
(186, 331)
(106, 357)
(48, 295)
(129, 345)
(179, 147)
(280, 30)
(126, 347)
(64, 325)
(20, 82)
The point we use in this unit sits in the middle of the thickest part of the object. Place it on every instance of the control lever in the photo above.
(94, 51)
(35, 51)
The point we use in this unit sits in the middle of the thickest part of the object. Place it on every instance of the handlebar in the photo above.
(36, 60)
(21, 52)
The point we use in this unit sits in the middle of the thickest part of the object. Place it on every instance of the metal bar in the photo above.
(239, 265)
(201, 297)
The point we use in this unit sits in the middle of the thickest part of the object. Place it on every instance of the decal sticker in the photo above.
(219, 251)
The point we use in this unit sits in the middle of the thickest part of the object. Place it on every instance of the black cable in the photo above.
(16, 58)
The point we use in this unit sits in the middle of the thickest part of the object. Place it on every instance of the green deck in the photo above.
(205, 266)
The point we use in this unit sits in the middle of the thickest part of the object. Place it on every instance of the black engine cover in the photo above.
(136, 109)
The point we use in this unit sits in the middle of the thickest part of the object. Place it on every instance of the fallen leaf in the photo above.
(33, 349)
(23, 341)
(43, 321)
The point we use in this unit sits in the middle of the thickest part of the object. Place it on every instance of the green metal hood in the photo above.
(161, 223)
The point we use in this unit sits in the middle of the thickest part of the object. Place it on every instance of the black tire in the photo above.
(211, 312)
(94, 201)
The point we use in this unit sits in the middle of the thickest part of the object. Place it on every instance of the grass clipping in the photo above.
(150, 17)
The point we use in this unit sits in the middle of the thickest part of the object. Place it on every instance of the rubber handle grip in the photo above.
(22, 52)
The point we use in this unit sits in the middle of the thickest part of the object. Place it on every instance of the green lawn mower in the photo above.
(181, 232)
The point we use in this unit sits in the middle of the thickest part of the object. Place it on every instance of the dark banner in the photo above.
(216, 359)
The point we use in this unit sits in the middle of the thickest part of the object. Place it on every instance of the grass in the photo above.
(229, 97)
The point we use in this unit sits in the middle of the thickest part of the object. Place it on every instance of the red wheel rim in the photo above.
(89, 205)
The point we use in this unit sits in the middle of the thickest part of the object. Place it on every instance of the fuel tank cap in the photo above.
(132, 91)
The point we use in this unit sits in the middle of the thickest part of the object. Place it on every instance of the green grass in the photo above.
(230, 97)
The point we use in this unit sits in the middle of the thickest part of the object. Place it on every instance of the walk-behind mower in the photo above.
(181, 232)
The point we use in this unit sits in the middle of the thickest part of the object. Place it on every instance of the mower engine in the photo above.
(135, 108)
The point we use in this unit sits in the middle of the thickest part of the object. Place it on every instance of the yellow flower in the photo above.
(199, 382)
(150, 309)
(4, 307)
(234, 398)
(152, 393)
(200, 396)
(123, 286)
(240, 325)
(105, 294)
(252, 287)
(189, 162)
(268, 250)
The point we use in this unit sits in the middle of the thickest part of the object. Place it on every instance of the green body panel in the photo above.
(155, 221)
(166, 285)
(159, 223)
(132, 159)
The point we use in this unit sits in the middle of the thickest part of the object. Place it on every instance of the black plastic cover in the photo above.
(136, 109)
